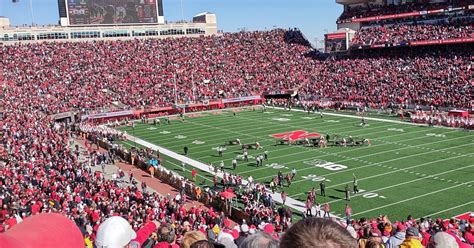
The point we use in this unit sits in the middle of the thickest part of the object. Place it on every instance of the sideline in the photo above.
(375, 119)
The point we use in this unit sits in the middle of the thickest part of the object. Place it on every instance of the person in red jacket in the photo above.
(194, 174)
(469, 234)
(144, 233)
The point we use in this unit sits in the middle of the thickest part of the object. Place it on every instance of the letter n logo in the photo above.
(296, 135)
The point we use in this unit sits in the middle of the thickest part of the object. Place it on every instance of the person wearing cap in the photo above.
(116, 232)
(225, 238)
(397, 239)
(244, 233)
(412, 239)
(442, 240)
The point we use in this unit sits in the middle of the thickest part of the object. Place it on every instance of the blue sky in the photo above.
(313, 17)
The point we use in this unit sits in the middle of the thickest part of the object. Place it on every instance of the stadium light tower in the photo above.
(182, 12)
(31, 12)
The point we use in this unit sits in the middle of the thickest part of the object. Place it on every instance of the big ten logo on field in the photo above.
(296, 135)
(276, 166)
(315, 178)
(281, 119)
(325, 164)
(242, 157)
(436, 135)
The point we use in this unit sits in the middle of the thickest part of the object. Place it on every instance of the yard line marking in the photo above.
(370, 165)
(374, 119)
(448, 209)
(407, 182)
(220, 143)
(297, 205)
(336, 154)
(379, 139)
(378, 175)
(294, 203)
(242, 120)
(343, 160)
(412, 198)
(219, 137)
(348, 158)
(339, 152)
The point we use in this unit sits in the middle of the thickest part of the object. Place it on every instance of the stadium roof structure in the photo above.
(204, 13)
(348, 2)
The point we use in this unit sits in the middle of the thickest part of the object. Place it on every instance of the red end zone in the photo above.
(296, 135)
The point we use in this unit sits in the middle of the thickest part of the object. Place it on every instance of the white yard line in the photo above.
(448, 209)
(290, 201)
(244, 134)
(297, 205)
(412, 198)
(379, 139)
(399, 184)
(374, 119)
(255, 127)
(370, 164)
(386, 173)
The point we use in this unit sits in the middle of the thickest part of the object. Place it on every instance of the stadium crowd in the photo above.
(379, 81)
(363, 11)
(63, 76)
(55, 77)
(404, 33)
(41, 173)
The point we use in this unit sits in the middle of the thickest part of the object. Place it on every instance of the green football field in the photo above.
(406, 170)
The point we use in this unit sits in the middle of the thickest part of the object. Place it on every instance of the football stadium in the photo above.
(123, 129)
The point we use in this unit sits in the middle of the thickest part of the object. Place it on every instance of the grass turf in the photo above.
(407, 170)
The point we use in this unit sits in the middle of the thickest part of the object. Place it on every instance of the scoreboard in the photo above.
(113, 12)
(336, 42)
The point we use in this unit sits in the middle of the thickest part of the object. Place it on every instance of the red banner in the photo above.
(336, 36)
(384, 17)
(438, 42)
(404, 15)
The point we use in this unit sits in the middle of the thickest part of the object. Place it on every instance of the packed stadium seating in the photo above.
(140, 72)
(360, 11)
(41, 173)
(404, 33)
(422, 78)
